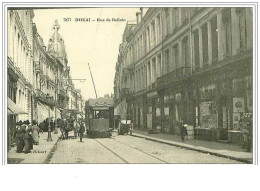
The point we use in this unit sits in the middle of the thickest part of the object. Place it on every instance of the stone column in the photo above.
(220, 38)
(235, 31)
(209, 42)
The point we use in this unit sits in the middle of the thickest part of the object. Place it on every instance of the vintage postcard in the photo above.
(165, 84)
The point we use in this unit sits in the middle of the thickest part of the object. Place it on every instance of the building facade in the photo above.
(187, 64)
(38, 78)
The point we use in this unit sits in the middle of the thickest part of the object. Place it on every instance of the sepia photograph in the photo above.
(130, 85)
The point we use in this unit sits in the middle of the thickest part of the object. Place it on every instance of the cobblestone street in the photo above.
(127, 149)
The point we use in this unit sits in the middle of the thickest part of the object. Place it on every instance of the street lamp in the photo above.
(49, 125)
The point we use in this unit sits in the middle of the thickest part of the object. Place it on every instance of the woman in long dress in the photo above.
(18, 134)
(28, 146)
(35, 133)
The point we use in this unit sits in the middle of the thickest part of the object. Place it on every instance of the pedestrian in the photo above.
(52, 125)
(75, 128)
(62, 129)
(28, 143)
(18, 135)
(41, 126)
(183, 130)
(81, 131)
(35, 133)
(66, 128)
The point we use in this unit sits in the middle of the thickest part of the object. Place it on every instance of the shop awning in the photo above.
(13, 109)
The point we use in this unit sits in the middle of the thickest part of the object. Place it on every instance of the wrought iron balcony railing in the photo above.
(174, 76)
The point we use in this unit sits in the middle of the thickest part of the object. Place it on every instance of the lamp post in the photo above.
(49, 125)
(55, 96)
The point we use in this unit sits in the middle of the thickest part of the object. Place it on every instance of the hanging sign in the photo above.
(238, 105)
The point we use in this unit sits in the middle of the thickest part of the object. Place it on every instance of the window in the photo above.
(149, 73)
(214, 39)
(175, 57)
(159, 72)
(154, 70)
(148, 38)
(167, 20)
(175, 18)
(242, 28)
(153, 34)
(196, 49)
(226, 18)
(185, 52)
(205, 43)
(159, 26)
(184, 14)
(167, 61)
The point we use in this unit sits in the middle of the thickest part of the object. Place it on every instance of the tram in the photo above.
(99, 117)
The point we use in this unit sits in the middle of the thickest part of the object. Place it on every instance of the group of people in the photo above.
(72, 125)
(26, 135)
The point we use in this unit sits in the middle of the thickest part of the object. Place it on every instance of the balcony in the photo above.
(174, 76)
(62, 92)
(44, 98)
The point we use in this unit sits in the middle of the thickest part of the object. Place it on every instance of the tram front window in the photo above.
(101, 114)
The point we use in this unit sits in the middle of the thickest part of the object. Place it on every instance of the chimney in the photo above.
(142, 12)
(137, 17)
(44, 48)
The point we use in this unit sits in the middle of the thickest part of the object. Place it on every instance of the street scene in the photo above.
(159, 85)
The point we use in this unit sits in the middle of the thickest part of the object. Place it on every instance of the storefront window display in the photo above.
(208, 115)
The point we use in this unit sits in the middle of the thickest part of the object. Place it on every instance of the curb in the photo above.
(51, 152)
(194, 149)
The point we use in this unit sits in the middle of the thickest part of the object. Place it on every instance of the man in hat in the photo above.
(28, 142)
(81, 131)
(18, 135)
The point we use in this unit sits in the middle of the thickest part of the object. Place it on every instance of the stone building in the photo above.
(190, 64)
(38, 78)
(19, 67)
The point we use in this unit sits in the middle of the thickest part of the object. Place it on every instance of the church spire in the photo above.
(56, 45)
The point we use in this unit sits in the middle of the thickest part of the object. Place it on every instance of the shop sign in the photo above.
(178, 97)
(238, 105)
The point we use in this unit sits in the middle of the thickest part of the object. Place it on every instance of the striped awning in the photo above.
(13, 109)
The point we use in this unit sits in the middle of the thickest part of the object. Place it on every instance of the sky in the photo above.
(96, 43)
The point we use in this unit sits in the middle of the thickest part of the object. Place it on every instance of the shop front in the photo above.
(175, 107)
(139, 111)
(223, 96)
(153, 121)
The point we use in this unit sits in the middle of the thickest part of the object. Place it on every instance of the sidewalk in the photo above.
(39, 154)
(225, 150)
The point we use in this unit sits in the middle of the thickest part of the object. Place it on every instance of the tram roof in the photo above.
(100, 102)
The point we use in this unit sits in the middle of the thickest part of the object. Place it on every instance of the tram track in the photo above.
(111, 151)
(103, 145)
(142, 151)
